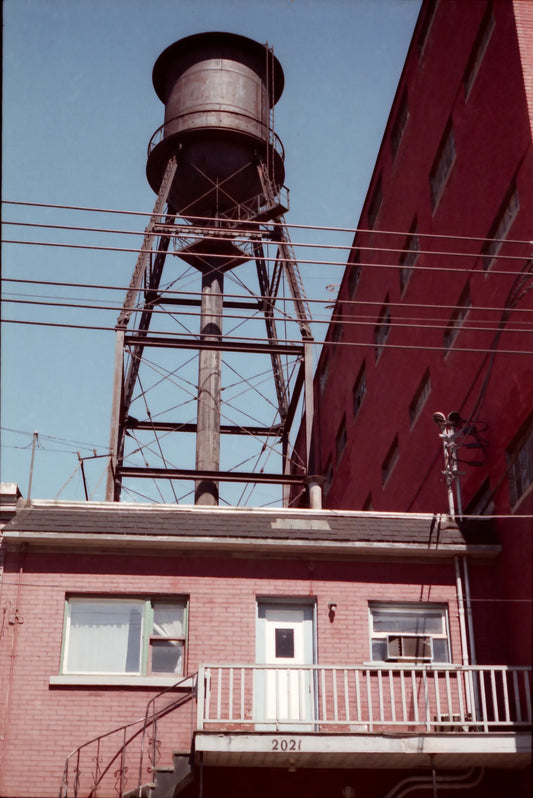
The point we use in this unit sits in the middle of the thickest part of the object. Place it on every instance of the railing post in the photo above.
(200, 698)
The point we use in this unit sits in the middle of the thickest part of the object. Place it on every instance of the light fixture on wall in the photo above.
(332, 609)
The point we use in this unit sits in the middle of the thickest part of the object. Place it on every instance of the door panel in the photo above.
(284, 694)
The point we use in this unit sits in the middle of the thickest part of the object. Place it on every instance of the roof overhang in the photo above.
(286, 547)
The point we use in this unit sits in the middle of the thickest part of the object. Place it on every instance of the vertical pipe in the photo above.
(33, 446)
(469, 619)
(114, 441)
(460, 604)
(208, 429)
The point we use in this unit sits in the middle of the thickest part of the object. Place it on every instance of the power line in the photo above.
(403, 321)
(199, 234)
(259, 297)
(366, 344)
(326, 228)
(301, 261)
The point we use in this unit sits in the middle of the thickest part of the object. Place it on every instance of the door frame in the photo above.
(295, 602)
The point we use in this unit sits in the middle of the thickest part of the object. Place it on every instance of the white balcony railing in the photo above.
(320, 698)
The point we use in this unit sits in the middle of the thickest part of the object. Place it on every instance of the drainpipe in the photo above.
(460, 602)
(469, 620)
(14, 621)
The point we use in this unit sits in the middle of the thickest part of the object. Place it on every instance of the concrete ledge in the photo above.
(103, 680)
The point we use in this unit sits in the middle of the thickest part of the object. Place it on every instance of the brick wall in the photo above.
(46, 722)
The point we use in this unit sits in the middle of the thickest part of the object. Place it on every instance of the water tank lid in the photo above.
(212, 38)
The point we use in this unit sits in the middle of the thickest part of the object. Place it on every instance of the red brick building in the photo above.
(170, 650)
(308, 652)
(434, 311)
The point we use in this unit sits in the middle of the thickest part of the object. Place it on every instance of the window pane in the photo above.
(169, 619)
(167, 656)
(285, 643)
(379, 650)
(104, 636)
(440, 650)
(427, 622)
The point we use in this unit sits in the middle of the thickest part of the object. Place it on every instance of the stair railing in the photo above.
(72, 763)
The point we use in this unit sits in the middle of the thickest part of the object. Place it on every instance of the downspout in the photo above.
(14, 621)
(460, 603)
(469, 619)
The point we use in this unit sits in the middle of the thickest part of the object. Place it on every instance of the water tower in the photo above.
(217, 168)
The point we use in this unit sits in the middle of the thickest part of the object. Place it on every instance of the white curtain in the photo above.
(168, 620)
(104, 636)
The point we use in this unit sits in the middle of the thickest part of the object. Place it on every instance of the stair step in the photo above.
(146, 791)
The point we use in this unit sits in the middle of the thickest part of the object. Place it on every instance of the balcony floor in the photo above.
(506, 750)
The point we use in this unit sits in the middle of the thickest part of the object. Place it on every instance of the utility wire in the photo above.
(327, 228)
(403, 321)
(259, 297)
(351, 344)
(301, 261)
(238, 237)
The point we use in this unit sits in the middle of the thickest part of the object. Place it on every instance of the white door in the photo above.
(285, 639)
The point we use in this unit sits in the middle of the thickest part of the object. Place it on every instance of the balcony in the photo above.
(397, 716)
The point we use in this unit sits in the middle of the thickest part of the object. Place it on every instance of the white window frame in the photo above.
(400, 123)
(520, 459)
(420, 398)
(390, 461)
(457, 318)
(354, 275)
(443, 166)
(341, 439)
(414, 610)
(501, 228)
(409, 257)
(478, 51)
(359, 390)
(382, 329)
(147, 637)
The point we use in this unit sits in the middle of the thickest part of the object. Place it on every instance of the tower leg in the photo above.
(208, 430)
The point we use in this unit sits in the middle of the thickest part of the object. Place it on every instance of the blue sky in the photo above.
(79, 110)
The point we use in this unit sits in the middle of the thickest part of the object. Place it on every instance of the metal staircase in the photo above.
(107, 764)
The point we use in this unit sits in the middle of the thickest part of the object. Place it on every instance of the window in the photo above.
(367, 506)
(409, 257)
(419, 399)
(359, 391)
(382, 328)
(399, 126)
(478, 51)
(500, 229)
(337, 325)
(390, 461)
(328, 476)
(426, 27)
(375, 204)
(520, 459)
(457, 318)
(354, 273)
(409, 632)
(483, 501)
(323, 376)
(134, 636)
(340, 441)
(443, 166)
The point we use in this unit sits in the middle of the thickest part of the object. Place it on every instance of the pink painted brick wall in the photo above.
(45, 722)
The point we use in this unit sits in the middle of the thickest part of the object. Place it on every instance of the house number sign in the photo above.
(286, 744)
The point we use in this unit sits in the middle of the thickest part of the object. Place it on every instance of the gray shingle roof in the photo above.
(178, 521)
